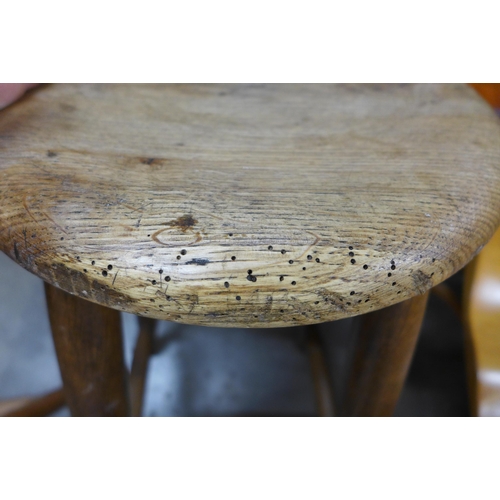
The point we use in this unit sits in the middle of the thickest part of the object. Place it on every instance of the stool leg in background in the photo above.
(138, 373)
(319, 369)
(89, 347)
(382, 357)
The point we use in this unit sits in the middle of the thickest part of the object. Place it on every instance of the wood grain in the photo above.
(88, 342)
(160, 200)
(382, 358)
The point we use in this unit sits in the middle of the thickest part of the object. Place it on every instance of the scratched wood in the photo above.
(248, 205)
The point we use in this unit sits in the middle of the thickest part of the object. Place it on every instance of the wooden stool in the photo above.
(244, 205)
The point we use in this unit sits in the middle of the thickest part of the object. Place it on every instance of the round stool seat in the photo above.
(248, 205)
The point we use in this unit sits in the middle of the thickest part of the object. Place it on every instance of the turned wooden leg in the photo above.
(321, 379)
(88, 342)
(33, 407)
(386, 342)
(142, 352)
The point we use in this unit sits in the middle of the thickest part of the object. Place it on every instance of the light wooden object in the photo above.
(244, 205)
(482, 311)
(482, 319)
(159, 200)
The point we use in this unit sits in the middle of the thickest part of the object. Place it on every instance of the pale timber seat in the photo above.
(247, 205)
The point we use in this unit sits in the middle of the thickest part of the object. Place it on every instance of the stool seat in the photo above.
(248, 205)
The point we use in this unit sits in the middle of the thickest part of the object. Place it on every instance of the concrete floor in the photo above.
(206, 371)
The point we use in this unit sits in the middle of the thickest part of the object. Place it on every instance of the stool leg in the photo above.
(382, 358)
(88, 342)
(142, 353)
(321, 378)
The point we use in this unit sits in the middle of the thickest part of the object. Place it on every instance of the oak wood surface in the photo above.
(160, 200)
(88, 342)
(382, 358)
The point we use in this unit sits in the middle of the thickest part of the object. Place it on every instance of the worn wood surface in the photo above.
(382, 358)
(248, 205)
(482, 315)
(88, 342)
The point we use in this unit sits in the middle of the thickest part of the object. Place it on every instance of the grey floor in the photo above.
(205, 371)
